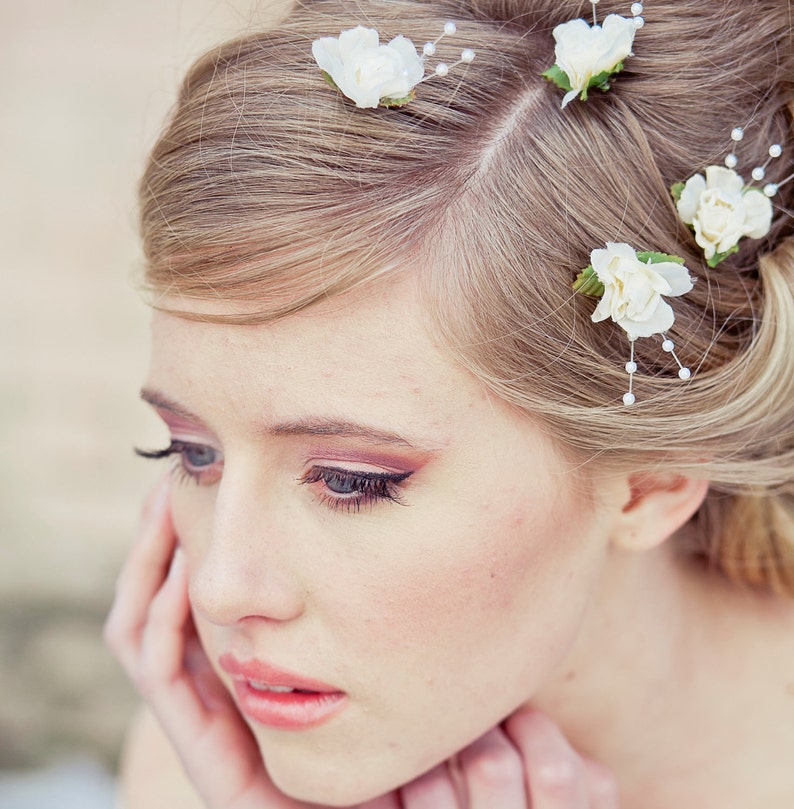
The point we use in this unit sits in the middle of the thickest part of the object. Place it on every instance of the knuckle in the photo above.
(111, 634)
(559, 777)
(495, 765)
(604, 787)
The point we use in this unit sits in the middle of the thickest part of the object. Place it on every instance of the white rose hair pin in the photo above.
(374, 75)
(588, 56)
(722, 209)
(632, 286)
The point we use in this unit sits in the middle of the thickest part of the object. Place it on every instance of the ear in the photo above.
(657, 505)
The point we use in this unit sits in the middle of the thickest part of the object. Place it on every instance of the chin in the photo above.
(339, 778)
(329, 788)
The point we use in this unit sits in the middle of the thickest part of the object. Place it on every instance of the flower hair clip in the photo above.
(631, 286)
(374, 75)
(721, 209)
(588, 56)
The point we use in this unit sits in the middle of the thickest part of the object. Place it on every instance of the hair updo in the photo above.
(269, 188)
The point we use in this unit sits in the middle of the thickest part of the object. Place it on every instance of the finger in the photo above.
(493, 772)
(163, 639)
(554, 771)
(141, 578)
(602, 786)
(433, 790)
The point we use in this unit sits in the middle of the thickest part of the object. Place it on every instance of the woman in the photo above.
(425, 547)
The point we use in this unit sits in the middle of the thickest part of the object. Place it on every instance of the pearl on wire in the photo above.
(631, 368)
(731, 161)
(467, 55)
(759, 172)
(669, 346)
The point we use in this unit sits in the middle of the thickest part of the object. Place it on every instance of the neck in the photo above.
(684, 686)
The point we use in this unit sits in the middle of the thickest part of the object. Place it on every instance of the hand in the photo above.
(526, 764)
(151, 632)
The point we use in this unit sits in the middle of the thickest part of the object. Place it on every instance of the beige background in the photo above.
(84, 86)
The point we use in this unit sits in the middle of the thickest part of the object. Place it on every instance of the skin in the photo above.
(383, 600)
(489, 590)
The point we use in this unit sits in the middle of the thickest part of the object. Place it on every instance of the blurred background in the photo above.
(84, 88)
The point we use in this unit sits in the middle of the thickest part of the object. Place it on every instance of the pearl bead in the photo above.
(636, 9)
(775, 150)
(629, 399)
(685, 373)
(731, 161)
(668, 345)
(737, 134)
(771, 189)
(429, 48)
(450, 28)
(758, 174)
(467, 55)
(639, 22)
(631, 367)
(442, 69)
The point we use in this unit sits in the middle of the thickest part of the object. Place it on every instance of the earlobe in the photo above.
(657, 506)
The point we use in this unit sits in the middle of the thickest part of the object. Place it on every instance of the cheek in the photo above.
(480, 587)
(191, 513)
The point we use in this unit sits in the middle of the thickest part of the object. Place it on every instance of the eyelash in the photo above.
(185, 470)
(362, 488)
(366, 488)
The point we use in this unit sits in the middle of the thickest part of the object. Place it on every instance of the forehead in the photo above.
(353, 356)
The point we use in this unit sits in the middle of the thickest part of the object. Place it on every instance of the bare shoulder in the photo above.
(151, 775)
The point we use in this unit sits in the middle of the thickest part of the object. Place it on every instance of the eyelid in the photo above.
(367, 488)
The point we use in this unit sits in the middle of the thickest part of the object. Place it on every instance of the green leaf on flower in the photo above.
(397, 102)
(676, 189)
(559, 77)
(587, 283)
(658, 258)
(718, 257)
(329, 80)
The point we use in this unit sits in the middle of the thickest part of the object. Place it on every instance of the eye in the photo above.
(350, 490)
(200, 462)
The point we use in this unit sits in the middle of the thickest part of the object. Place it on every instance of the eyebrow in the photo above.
(336, 428)
(156, 399)
(340, 429)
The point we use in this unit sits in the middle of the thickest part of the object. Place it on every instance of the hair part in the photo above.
(269, 190)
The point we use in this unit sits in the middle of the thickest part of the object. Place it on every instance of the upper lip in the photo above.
(259, 671)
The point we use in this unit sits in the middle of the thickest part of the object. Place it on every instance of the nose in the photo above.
(248, 565)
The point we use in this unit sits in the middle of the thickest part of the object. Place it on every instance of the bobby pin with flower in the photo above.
(721, 209)
(375, 75)
(631, 286)
(588, 56)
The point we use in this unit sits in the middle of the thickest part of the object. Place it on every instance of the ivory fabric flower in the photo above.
(587, 56)
(633, 288)
(367, 72)
(722, 210)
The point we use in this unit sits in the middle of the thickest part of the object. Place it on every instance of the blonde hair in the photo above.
(270, 189)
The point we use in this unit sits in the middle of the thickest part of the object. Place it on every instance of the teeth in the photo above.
(279, 689)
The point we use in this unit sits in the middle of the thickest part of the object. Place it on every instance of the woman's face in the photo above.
(364, 523)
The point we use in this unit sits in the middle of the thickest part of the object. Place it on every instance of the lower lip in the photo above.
(292, 710)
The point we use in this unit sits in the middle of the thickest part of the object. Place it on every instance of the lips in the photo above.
(281, 699)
